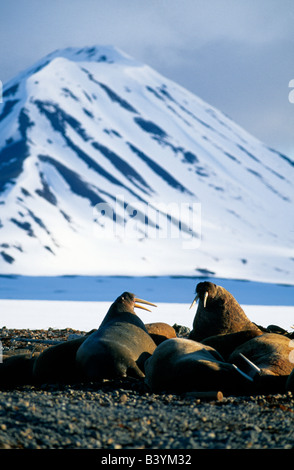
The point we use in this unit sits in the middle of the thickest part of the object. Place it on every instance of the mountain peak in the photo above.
(77, 132)
(98, 53)
(107, 53)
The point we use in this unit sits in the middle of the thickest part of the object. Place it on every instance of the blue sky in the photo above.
(238, 55)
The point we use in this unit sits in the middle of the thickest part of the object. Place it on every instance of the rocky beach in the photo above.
(124, 415)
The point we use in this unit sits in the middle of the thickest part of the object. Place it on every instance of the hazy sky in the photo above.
(238, 55)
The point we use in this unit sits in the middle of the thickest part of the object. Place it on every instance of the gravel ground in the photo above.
(122, 414)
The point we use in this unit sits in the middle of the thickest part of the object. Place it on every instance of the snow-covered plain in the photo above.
(82, 302)
(84, 316)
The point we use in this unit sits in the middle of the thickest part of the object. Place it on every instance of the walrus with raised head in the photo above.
(121, 344)
(218, 313)
(183, 365)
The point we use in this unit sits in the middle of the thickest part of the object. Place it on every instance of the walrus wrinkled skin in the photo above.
(218, 313)
(120, 346)
(183, 365)
(270, 352)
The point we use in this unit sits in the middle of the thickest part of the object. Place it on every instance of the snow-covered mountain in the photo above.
(181, 189)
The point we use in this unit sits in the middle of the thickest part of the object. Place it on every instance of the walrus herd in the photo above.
(224, 351)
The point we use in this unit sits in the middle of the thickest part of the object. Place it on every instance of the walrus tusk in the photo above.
(194, 301)
(197, 297)
(251, 368)
(143, 308)
(242, 373)
(205, 298)
(143, 302)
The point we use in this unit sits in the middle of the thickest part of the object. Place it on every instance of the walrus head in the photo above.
(203, 291)
(127, 301)
(218, 312)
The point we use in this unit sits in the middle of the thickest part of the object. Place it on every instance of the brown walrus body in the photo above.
(225, 344)
(218, 313)
(183, 365)
(17, 370)
(160, 331)
(270, 352)
(120, 346)
(57, 364)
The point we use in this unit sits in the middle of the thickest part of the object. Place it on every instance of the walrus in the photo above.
(17, 369)
(270, 352)
(160, 331)
(57, 364)
(225, 344)
(218, 313)
(183, 365)
(121, 344)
